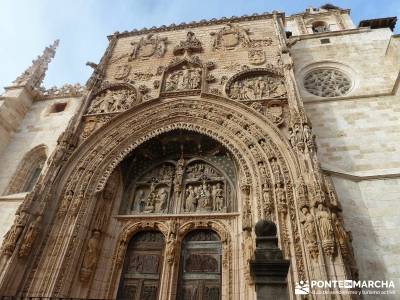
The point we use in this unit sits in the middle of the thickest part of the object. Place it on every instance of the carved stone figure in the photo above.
(152, 198)
(191, 203)
(170, 250)
(310, 234)
(180, 168)
(281, 199)
(218, 197)
(267, 198)
(113, 100)
(30, 236)
(204, 197)
(256, 87)
(184, 79)
(162, 198)
(325, 229)
(276, 170)
(148, 46)
(91, 255)
(341, 236)
(12, 236)
(65, 203)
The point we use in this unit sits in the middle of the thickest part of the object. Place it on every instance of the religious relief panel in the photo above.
(181, 187)
(183, 75)
(205, 189)
(256, 85)
(153, 191)
(113, 99)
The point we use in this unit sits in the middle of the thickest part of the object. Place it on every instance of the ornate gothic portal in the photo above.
(187, 136)
(177, 173)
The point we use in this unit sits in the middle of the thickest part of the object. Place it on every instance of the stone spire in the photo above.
(34, 75)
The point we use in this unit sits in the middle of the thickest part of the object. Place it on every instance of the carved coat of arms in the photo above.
(230, 36)
(148, 46)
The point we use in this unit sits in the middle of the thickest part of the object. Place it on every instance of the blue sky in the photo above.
(27, 26)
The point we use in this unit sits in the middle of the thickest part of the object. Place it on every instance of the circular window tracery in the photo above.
(327, 83)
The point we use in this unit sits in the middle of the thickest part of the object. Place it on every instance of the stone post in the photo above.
(268, 268)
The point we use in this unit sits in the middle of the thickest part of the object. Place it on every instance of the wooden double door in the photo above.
(199, 274)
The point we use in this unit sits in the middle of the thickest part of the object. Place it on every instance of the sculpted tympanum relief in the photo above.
(256, 86)
(186, 184)
(114, 99)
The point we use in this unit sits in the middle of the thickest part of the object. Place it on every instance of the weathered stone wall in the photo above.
(40, 126)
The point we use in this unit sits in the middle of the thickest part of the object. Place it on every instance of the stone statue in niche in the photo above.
(180, 169)
(148, 46)
(191, 201)
(30, 236)
(256, 87)
(229, 37)
(256, 56)
(12, 236)
(325, 229)
(204, 197)
(184, 79)
(310, 234)
(139, 200)
(113, 100)
(217, 197)
(91, 256)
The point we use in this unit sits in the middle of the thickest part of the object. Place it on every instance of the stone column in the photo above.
(268, 268)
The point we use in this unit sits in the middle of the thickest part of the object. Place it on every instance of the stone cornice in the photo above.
(321, 13)
(358, 178)
(195, 24)
(330, 33)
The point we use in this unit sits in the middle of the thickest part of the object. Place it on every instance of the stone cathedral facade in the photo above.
(147, 182)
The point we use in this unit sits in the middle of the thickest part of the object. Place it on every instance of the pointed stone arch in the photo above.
(251, 138)
(28, 170)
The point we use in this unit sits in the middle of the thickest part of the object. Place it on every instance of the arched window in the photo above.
(320, 26)
(140, 277)
(200, 266)
(28, 171)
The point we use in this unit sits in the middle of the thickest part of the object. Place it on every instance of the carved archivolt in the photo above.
(256, 84)
(113, 98)
(232, 124)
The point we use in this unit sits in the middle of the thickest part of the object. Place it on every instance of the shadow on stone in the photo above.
(268, 268)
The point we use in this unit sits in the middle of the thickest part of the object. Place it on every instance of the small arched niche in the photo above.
(200, 266)
(319, 26)
(140, 278)
(179, 172)
(28, 171)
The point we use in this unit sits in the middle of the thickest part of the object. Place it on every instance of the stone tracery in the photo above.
(327, 83)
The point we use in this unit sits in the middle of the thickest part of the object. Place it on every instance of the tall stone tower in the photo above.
(148, 182)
